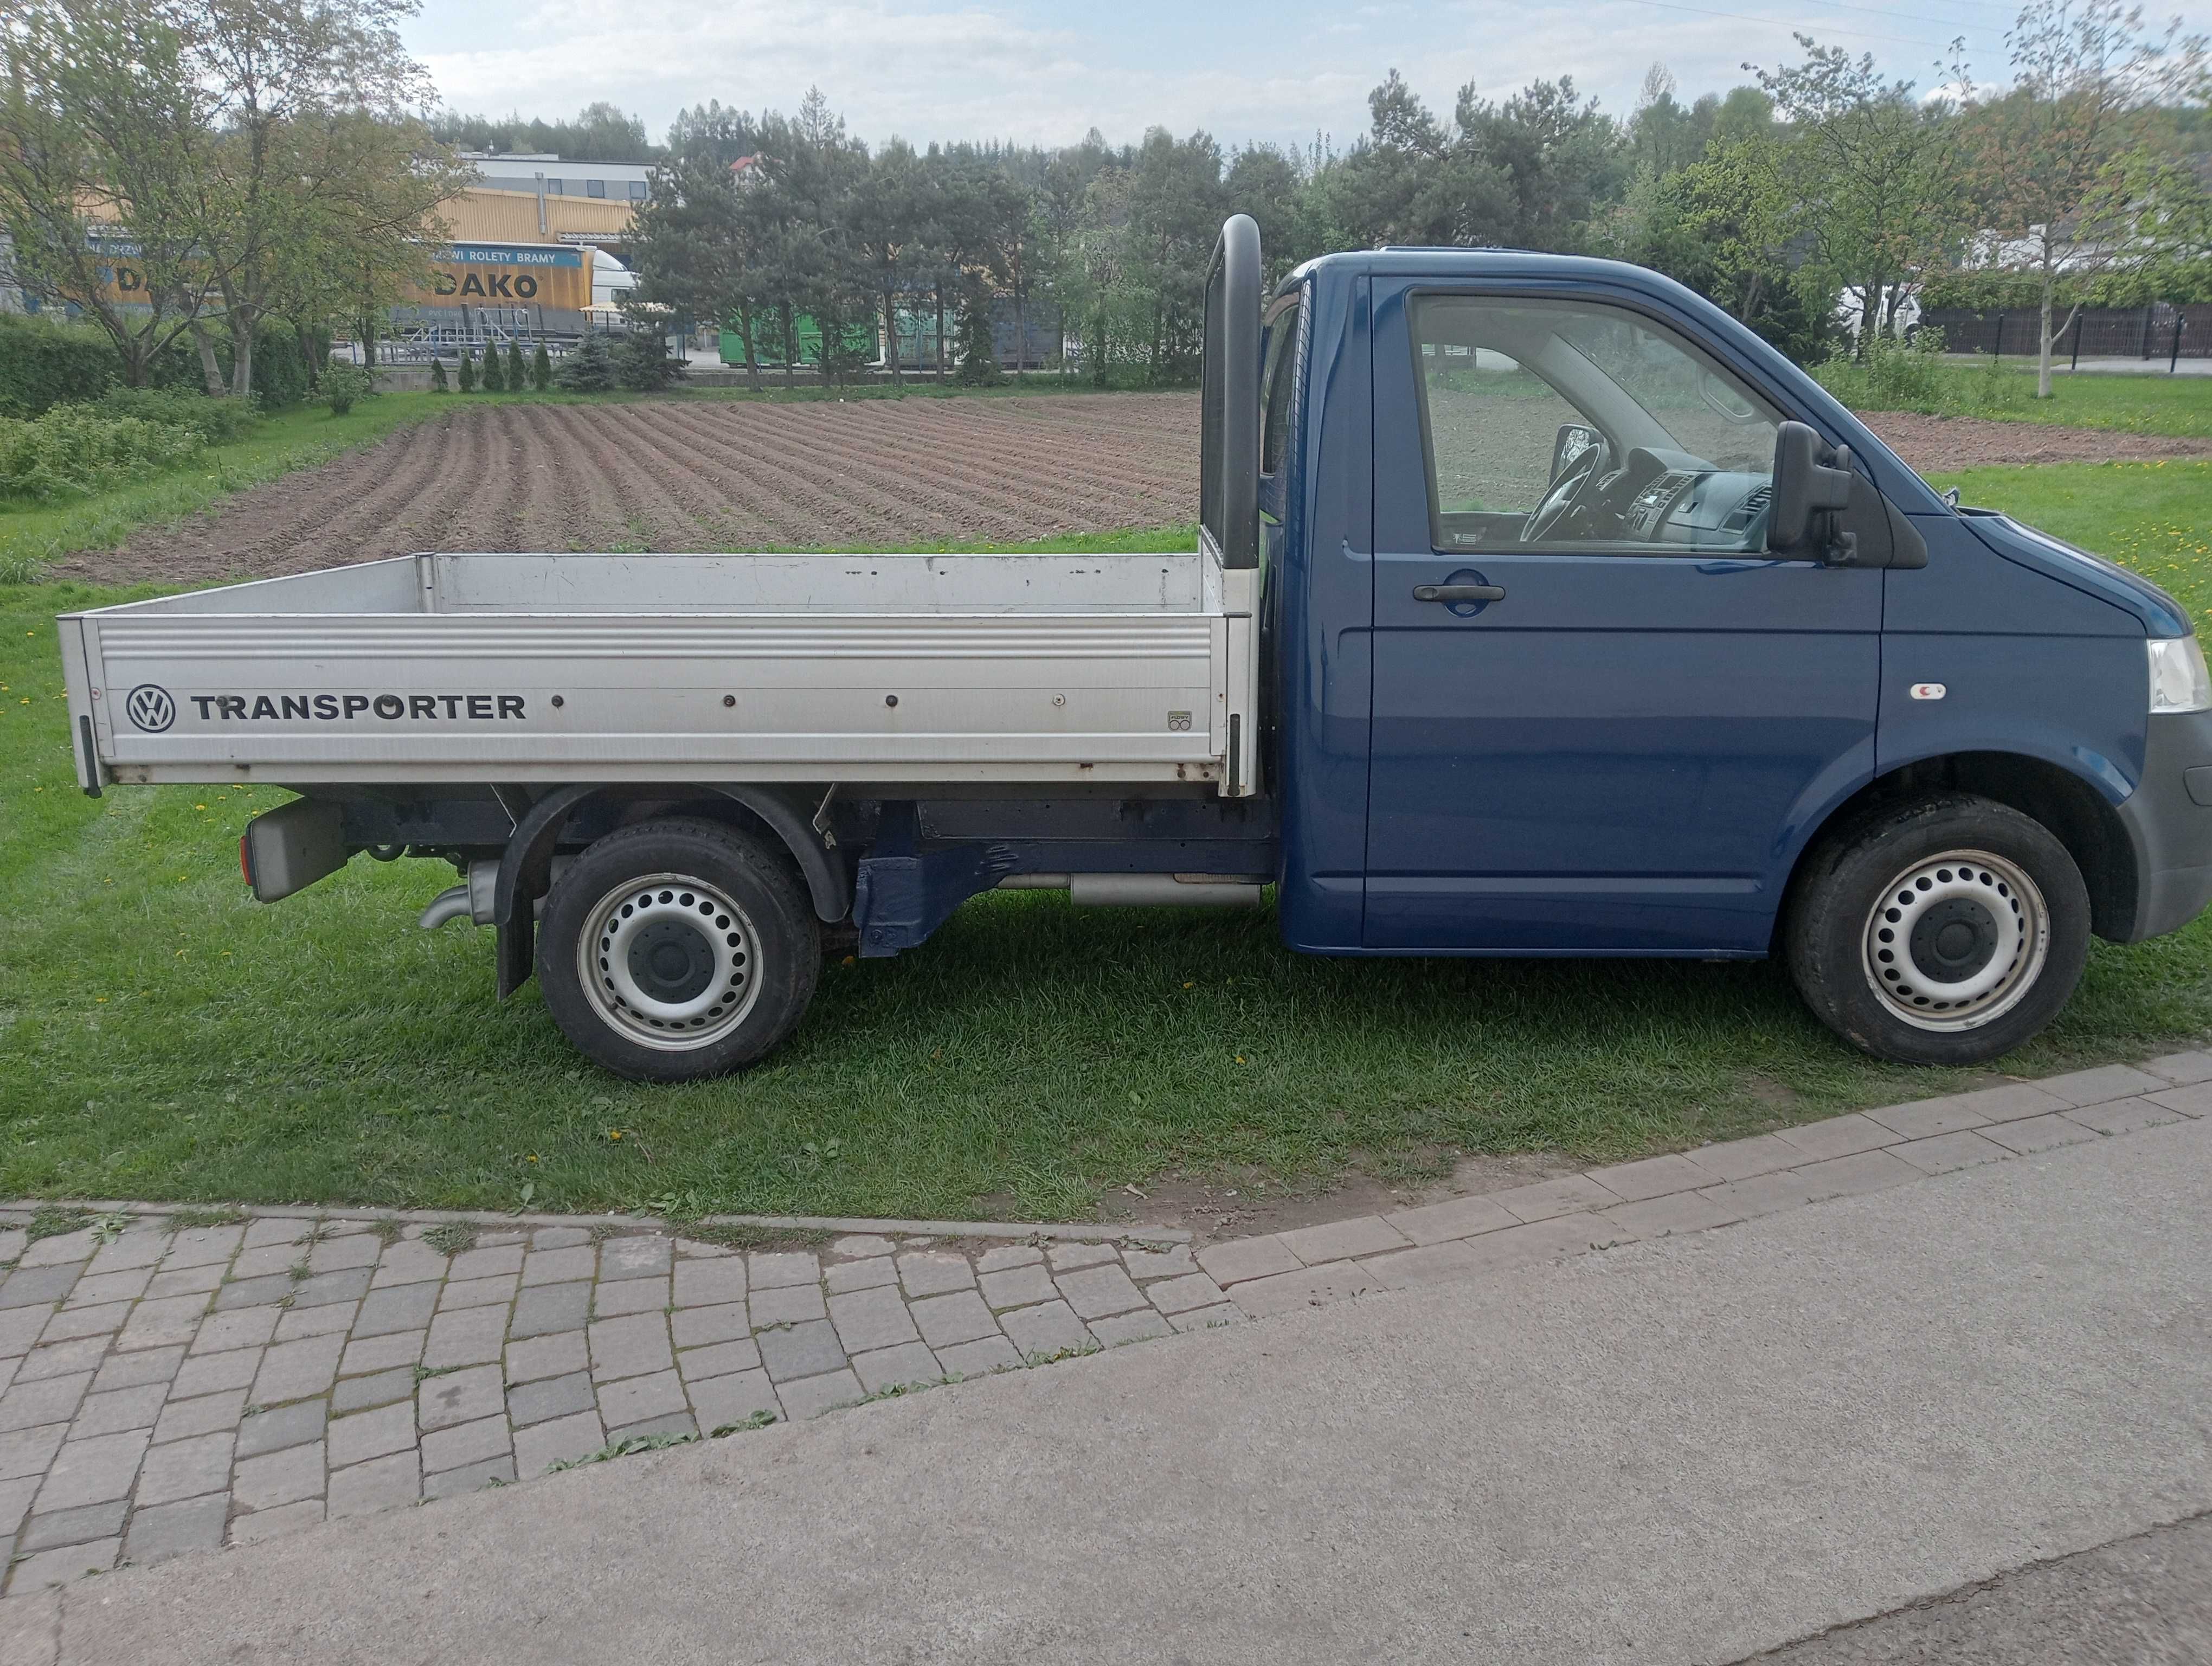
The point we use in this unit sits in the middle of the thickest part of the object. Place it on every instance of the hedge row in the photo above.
(45, 363)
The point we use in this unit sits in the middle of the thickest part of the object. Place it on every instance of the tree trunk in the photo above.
(2042, 335)
(790, 348)
(1751, 298)
(940, 331)
(746, 334)
(211, 372)
(1021, 332)
(241, 357)
(891, 337)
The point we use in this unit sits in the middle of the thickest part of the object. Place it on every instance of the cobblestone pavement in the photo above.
(168, 1387)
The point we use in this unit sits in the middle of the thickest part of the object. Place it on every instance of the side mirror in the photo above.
(1812, 487)
(1572, 440)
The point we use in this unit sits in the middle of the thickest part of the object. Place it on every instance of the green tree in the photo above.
(517, 377)
(1876, 169)
(641, 363)
(468, 371)
(102, 135)
(978, 358)
(438, 383)
(541, 368)
(310, 103)
(588, 367)
(493, 375)
(2065, 165)
(1562, 155)
(888, 215)
(694, 243)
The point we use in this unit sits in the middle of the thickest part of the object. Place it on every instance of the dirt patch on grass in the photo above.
(680, 475)
(1945, 444)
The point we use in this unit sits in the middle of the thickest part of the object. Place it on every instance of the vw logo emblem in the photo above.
(150, 707)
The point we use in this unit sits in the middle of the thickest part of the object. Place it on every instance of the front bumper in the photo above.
(2168, 818)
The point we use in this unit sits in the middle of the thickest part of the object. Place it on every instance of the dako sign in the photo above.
(491, 286)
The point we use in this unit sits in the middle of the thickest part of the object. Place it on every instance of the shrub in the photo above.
(492, 379)
(438, 382)
(643, 364)
(468, 371)
(589, 368)
(280, 374)
(514, 371)
(342, 383)
(217, 422)
(74, 451)
(1900, 376)
(43, 364)
(541, 368)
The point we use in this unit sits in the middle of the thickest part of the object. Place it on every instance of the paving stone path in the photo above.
(167, 1387)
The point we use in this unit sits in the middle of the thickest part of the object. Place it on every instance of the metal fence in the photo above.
(2160, 334)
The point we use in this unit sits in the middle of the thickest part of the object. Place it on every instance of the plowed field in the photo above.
(682, 475)
(685, 475)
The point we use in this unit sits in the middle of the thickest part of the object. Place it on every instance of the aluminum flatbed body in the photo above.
(490, 668)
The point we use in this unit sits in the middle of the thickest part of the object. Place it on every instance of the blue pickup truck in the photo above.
(1540, 609)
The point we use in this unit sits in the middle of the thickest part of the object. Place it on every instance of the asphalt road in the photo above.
(1691, 1450)
(2146, 1599)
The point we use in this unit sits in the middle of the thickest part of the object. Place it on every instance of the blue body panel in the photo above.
(1629, 753)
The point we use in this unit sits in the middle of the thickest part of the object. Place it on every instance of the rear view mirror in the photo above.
(1812, 487)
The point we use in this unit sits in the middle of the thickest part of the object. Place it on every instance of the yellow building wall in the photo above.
(478, 215)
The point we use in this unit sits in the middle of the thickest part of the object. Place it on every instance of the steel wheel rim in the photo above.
(1955, 941)
(669, 961)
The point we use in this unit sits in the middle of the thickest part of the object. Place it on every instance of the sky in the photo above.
(1040, 73)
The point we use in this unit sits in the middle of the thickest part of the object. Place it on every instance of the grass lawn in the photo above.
(2150, 403)
(163, 1036)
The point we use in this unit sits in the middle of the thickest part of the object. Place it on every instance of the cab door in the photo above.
(1587, 738)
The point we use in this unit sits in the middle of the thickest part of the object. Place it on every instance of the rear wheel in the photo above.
(1944, 931)
(679, 949)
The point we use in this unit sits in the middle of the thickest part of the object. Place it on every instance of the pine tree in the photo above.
(468, 371)
(541, 369)
(514, 366)
(978, 358)
(589, 368)
(495, 379)
(438, 382)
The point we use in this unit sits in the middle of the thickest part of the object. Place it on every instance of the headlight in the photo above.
(2179, 682)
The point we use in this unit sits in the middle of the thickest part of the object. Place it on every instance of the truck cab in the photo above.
(1600, 629)
(1539, 608)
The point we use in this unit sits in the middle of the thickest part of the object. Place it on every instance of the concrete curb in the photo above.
(1067, 1231)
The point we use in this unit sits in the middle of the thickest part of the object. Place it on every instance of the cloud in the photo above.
(1040, 73)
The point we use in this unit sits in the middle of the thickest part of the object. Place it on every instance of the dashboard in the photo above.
(1671, 497)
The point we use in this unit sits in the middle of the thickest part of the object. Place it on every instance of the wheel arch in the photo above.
(526, 866)
(2072, 806)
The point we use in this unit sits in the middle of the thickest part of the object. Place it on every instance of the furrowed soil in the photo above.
(684, 475)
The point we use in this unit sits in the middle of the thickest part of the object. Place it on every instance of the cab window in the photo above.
(1573, 425)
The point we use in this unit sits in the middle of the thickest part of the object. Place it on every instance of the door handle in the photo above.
(1459, 592)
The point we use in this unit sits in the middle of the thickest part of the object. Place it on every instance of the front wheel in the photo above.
(1948, 930)
(677, 950)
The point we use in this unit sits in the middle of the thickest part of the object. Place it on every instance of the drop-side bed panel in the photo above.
(1114, 668)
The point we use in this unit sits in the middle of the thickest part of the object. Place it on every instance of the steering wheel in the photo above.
(1559, 496)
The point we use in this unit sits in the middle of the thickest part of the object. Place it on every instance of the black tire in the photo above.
(1978, 960)
(703, 971)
